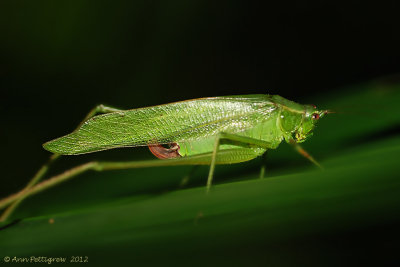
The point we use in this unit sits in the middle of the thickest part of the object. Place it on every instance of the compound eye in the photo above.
(315, 116)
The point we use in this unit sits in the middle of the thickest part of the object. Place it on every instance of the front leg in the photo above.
(304, 153)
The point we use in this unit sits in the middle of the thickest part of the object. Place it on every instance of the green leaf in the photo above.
(299, 215)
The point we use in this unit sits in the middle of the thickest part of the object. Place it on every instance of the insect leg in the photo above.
(201, 159)
(263, 164)
(248, 141)
(43, 170)
(304, 153)
(36, 178)
(99, 109)
(186, 178)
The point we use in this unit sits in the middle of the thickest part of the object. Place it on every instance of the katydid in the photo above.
(204, 131)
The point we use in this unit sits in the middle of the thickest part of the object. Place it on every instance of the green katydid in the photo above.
(204, 131)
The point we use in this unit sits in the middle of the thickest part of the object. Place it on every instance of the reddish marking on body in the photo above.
(165, 153)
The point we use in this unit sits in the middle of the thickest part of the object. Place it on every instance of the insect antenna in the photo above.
(353, 111)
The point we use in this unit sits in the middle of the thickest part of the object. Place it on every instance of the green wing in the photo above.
(175, 122)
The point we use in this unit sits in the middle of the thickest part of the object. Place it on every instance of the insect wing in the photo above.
(179, 121)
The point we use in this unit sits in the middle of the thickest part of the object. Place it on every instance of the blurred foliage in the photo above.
(298, 216)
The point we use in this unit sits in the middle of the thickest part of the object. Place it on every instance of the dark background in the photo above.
(59, 59)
